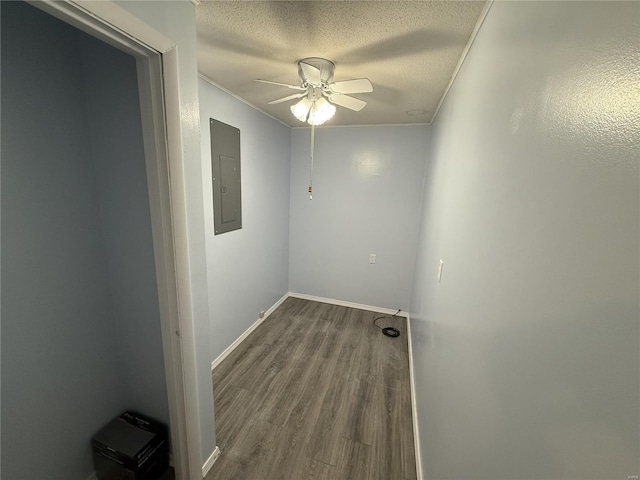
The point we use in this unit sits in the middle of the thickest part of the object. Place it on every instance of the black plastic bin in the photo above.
(131, 447)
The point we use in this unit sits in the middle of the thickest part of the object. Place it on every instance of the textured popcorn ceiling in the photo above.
(408, 50)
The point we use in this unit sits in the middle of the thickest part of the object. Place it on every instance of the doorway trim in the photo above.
(157, 69)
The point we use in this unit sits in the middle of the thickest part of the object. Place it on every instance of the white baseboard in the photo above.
(210, 461)
(414, 407)
(342, 303)
(246, 333)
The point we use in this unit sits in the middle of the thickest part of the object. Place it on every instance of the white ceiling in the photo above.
(409, 51)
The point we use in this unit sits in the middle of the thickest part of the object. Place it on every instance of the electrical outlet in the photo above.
(215, 455)
(261, 314)
(372, 258)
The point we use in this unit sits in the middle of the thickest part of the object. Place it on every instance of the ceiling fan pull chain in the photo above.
(313, 131)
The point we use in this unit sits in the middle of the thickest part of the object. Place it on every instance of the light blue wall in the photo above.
(117, 151)
(61, 379)
(367, 184)
(248, 267)
(526, 354)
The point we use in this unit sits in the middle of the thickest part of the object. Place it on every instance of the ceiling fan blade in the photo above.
(311, 73)
(294, 87)
(290, 97)
(347, 102)
(358, 85)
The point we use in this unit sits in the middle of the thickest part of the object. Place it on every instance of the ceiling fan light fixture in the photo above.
(301, 109)
(321, 111)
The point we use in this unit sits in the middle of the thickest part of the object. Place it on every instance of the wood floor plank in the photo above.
(354, 460)
(228, 400)
(306, 408)
(360, 423)
(254, 450)
(252, 366)
(321, 471)
(392, 435)
(287, 389)
(291, 461)
(327, 431)
(315, 392)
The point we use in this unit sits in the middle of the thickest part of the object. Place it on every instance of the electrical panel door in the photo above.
(225, 166)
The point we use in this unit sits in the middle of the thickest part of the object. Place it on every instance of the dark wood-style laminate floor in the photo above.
(316, 391)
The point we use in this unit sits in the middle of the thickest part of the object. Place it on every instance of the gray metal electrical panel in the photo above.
(225, 166)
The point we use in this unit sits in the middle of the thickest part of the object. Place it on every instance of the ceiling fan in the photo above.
(320, 93)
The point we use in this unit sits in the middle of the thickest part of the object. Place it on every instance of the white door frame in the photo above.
(157, 69)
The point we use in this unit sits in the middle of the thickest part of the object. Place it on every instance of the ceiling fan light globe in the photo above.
(301, 109)
(321, 111)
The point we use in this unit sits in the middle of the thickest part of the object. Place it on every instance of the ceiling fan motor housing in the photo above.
(325, 66)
